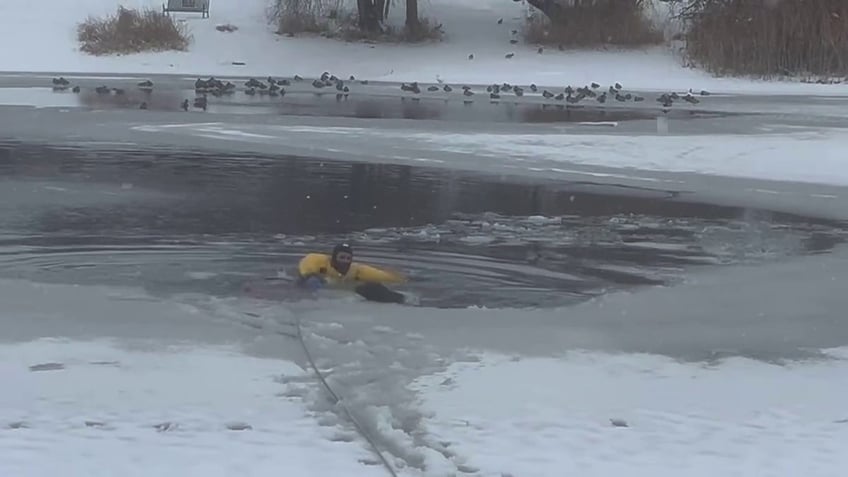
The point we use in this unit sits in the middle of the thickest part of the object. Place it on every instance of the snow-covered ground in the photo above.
(103, 407)
(471, 28)
(640, 415)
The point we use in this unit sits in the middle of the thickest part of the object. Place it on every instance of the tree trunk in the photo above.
(412, 21)
(369, 15)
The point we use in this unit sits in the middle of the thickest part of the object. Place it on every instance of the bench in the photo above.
(187, 6)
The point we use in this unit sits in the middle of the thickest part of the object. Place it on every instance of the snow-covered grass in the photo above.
(600, 415)
(470, 28)
(103, 407)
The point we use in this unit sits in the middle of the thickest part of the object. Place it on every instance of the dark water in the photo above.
(176, 221)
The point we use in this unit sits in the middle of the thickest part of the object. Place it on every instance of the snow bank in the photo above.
(471, 26)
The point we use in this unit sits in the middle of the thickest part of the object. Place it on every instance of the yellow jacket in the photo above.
(319, 264)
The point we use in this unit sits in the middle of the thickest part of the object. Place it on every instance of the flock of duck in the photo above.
(276, 88)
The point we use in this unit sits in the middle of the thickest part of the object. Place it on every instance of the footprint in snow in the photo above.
(105, 363)
(47, 367)
(165, 426)
(616, 422)
(239, 426)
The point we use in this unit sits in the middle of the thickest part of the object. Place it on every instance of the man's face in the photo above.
(342, 262)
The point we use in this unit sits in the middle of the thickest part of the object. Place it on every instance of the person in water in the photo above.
(317, 270)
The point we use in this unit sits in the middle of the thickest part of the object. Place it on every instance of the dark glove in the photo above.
(313, 283)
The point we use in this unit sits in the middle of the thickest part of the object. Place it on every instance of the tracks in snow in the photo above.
(364, 372)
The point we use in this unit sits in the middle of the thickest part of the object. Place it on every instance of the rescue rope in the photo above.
(337, 401)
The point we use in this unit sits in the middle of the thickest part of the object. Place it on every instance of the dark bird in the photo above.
(691, 99)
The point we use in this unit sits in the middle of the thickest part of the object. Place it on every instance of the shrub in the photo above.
(307, 16)
(594, 22)
(768, 37)
(329, 18)
(131, 31)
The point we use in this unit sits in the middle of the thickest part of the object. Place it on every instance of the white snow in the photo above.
(563, 416)
(471, 25)
(102, 380)
(813, 156)
(141, 409)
